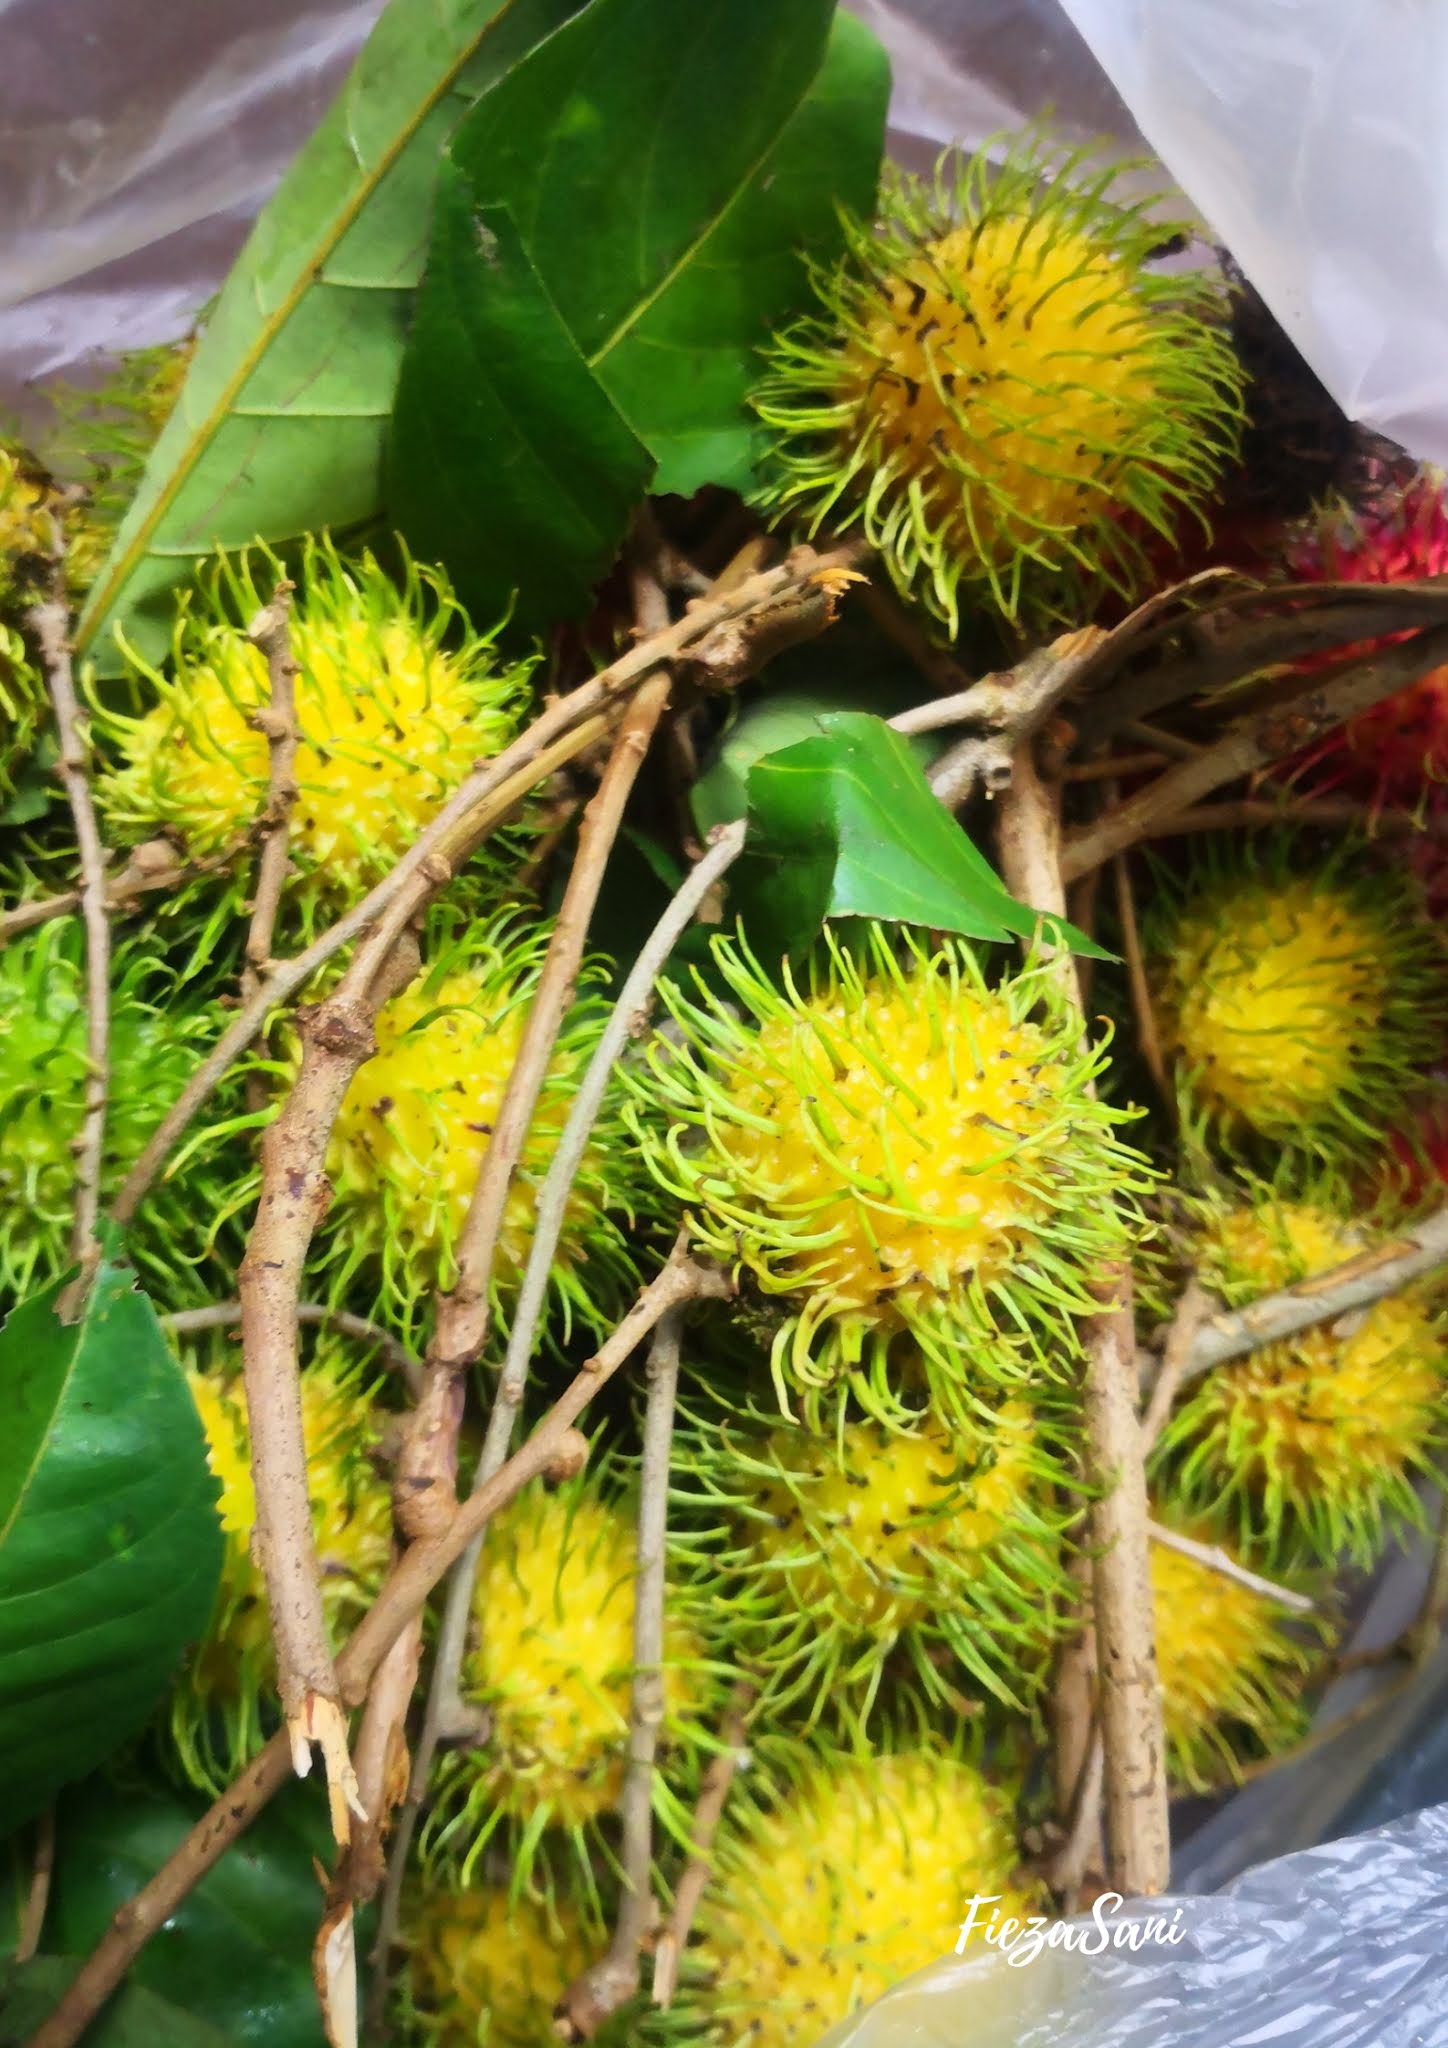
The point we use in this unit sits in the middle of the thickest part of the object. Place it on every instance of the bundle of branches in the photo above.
(592, 1188)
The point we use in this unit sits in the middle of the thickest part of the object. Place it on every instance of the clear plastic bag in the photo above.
(1343, 1946)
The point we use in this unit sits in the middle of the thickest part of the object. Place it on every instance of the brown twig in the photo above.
(37, 1897)
(226, 1315)
(1143, 1015)
(1191, 1311)
(50, 623)
(150, 866)
(1010, 709)
(1325, 813)
(428, 1464)
(613, 1981)
(270, 631)
(1355, 1285)
(1110, 766)
(1254, 741)
(1081, 1849)
(567, 728)
(407, 1586)
(336, 1037)
(1218, 1560)
(708, 1812)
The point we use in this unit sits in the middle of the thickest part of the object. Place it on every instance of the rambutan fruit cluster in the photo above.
(396, 699)
(1298, 1000)
(489, 1962)
(909, 1160)
(1000, 389)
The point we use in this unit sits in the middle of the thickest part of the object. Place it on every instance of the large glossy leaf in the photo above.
(280, 425)
(666, 170)
(526, 480)
(237, 1951)
(844, 824)
(110, 1546)
(134, 2018)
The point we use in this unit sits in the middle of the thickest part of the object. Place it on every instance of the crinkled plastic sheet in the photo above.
(1343, 1946)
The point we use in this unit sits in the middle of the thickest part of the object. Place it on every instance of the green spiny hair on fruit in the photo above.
(220, 1709)
(1323, 1439)
(550, 1663)
(857, 1875)
(913, 1161)
(22, 707)
(155, 1041)
(27, 530)
(1299, 998)
(821, 1552)
(397, 698)
(1001, 390)
(416, 1123)
(1234, 1665)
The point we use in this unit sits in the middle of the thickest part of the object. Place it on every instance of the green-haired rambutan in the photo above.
(27, 530)
(912, 1160)
(416, 1122)
(1000, 389)
(396, 699)
(22, 706)
(222, 1709)
(860, 1875)
(155, 1041)
(1315, 1440)
(1233, 1664)
(1298, 1002)
(551, 1665)
(835, 1548)
(488, 1964)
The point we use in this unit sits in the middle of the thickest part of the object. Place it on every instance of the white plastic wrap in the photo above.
(1343, 1946)
(1311, 134)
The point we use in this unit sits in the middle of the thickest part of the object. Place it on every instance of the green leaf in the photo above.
(110, 1545)
(844, 824)
(134, 2018)
(664, 174)
(280, 426)
(237, 1951)
(524, 481)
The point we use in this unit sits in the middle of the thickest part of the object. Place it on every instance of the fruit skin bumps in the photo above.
(396, 698)
(1000, 389)
(1298, 999)
(860, 1874)
(487, 1965)
(910, 1162)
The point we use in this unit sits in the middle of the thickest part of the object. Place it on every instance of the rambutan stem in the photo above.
(1217, 1560)
(270, 631)
(1356, 1284)
(612, 1981)
(50, 624)
(708, 1812)
(1128, 1702)
(1271, 734)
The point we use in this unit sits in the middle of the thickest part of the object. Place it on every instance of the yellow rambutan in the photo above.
(218, 1718)
(26, 529)
(913, 1160)
(1317, 1437)
(396, 700)
(551, 1666)
(859, 1876)
(416, 1123)
(487, 1965)
(1232, 1663)
(22, 706)
(836, 1547)
(1000, 389)
(1298, 1004)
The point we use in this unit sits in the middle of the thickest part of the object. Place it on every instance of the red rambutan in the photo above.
(1396, 753)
